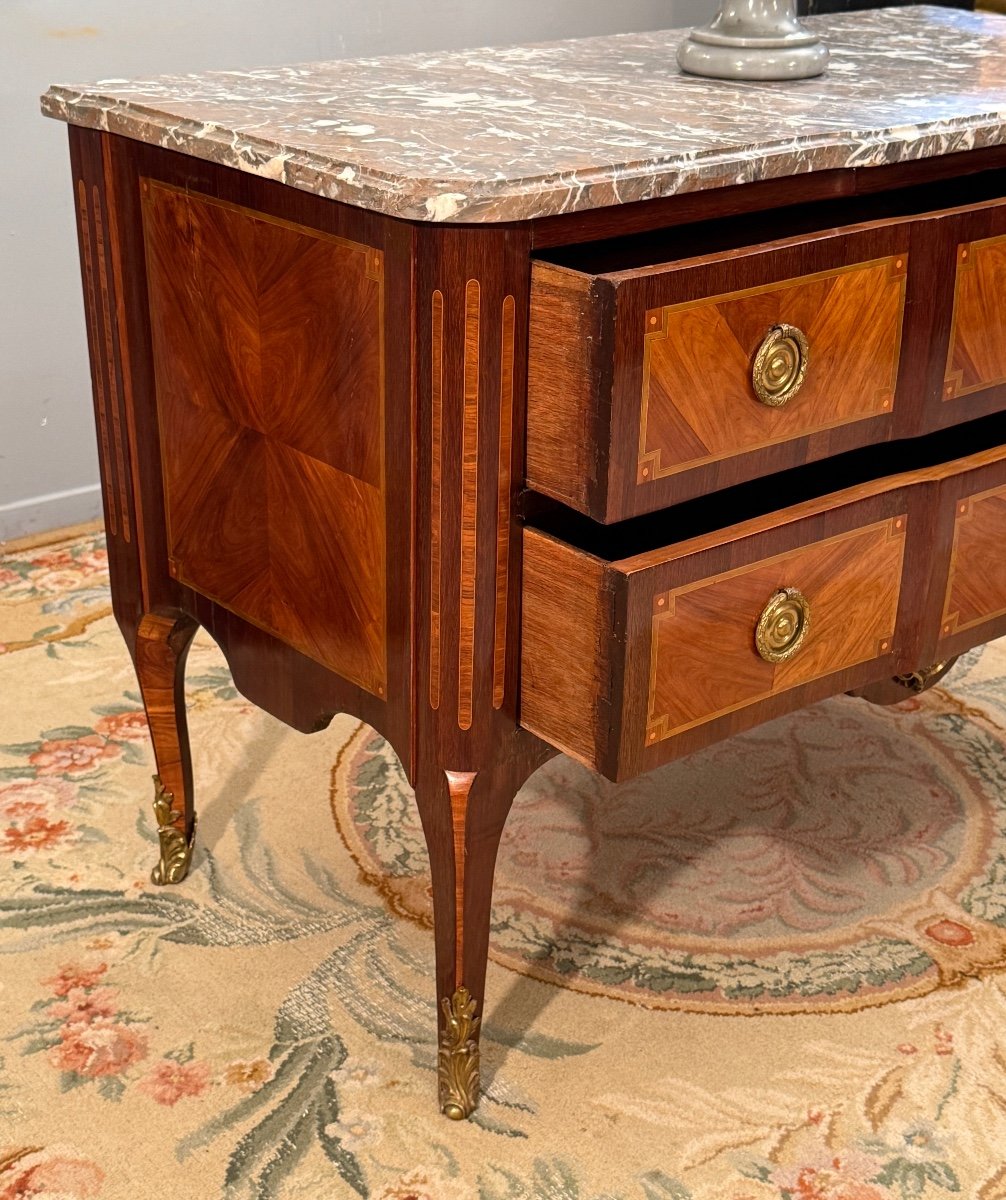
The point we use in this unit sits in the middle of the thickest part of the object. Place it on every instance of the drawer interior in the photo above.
(758, 497)
(638, 251)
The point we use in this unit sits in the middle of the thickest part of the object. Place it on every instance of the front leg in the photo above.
(162, 645)
(463, 815)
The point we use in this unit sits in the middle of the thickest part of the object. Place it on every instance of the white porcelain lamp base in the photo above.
(754, 39)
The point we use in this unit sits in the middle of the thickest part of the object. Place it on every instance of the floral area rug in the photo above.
(774, 971)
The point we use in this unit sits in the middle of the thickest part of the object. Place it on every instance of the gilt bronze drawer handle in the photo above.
(783, 625)
(780, 366)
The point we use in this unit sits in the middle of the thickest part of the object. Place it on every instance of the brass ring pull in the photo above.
(783, 626)
(780, 366)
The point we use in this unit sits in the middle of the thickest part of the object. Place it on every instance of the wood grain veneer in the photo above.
(566, 647)
(268, 359)
(976, 357)
(703, 662)
(976, 581)
(698, 403)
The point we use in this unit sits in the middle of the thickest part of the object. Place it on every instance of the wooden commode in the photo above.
(548, 400)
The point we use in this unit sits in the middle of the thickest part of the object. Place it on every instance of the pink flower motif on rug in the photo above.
(30, 797)
(84, 1032)
(830, 1176)
(73, 976)
(76, 756)
(169, 1081)
(124, 727)
(58, 1171)
(33, 836)
(97, 1048)
(82, 1006)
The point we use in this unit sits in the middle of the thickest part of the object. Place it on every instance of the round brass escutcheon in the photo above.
(780, 365)
(783, 625)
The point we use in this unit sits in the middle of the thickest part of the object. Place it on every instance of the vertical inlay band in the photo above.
(99, 378)
(459, 784)
(436, 430)
(503, 475)
(113, 376)
(469, 505)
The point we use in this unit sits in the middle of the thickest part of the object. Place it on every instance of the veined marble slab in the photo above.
(527, 131)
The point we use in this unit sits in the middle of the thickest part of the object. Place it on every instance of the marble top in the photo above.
(527, 131)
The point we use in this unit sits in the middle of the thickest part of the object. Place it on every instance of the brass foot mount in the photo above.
(176, 848)
(926, 677)
(458, 1057)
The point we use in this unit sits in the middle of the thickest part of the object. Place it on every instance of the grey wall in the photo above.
(48, 464)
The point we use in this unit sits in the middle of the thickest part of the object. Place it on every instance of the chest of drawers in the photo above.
(614, 445)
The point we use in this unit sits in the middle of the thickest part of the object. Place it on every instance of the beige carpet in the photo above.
(775, 970)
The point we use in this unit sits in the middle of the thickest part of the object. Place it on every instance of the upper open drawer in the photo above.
(653, 384)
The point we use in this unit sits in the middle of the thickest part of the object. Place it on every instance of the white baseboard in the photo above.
(36, 514)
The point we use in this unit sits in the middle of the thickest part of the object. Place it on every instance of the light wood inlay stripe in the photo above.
(437, 420)
(469, 505)
(92, 318)
(460, 785)
(113, 375)
(503, 474)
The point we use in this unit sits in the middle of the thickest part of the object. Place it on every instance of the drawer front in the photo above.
(629, 664)
(707, 658)
(651, 386)
(741, 372)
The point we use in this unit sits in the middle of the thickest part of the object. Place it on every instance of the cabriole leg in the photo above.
(162, 645)
(463, 816)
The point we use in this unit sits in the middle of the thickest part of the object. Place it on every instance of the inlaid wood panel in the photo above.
(698, 402)
(704, 662)
(977, 354)
(105, 355)
(976, 585)
(268, 360)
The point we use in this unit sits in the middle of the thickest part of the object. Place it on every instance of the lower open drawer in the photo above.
(628, 662)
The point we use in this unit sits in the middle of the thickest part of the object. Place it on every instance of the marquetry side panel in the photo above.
(976, 586)
(268, 347)
(698, 404)
(703, 659)
(976, 358)
(105, 355)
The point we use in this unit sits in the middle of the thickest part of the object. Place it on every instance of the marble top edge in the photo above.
(571, 125)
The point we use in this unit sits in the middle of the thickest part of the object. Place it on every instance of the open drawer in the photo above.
(652, 384)
(628, 662)
(689, 361)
